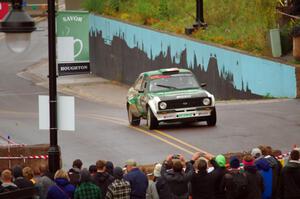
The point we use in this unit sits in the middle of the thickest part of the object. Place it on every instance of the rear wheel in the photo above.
(134, 121)
(213, 118)
(152, 122)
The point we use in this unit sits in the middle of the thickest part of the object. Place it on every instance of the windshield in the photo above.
(172, 82)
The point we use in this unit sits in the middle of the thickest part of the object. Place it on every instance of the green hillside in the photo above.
(239, 24)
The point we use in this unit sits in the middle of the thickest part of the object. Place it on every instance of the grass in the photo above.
(239, 24)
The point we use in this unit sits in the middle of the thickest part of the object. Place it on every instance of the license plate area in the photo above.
(185, 115)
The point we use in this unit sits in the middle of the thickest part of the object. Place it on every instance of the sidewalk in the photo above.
(85, 86)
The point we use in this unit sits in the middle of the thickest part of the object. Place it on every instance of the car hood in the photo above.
(180, 94)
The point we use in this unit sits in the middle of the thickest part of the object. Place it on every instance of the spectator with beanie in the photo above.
(235, 182)
(178, 179)
(255, 180)
(137, 179)
(74, 172)
(119, 188)
(290, 178)
(201, 182)
(102, 179)
(7, 184)
(217, 176)
(86, 189)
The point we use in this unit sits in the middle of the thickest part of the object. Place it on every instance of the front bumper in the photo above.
(197, 114)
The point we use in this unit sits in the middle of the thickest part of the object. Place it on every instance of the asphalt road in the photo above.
(102, 130)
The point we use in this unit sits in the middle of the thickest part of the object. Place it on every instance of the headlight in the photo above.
(206, 101)
(163, 105)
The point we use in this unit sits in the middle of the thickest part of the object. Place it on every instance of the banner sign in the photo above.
(3, 10)
(72, 39)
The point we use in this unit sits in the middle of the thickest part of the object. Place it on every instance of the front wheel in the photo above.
(152, 122)
(212, 120)
(134, 121)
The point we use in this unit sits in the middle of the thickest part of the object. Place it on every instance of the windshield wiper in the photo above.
(166, 86)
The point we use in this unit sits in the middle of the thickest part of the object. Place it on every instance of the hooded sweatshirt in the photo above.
(265, 171)
(102, 180)
(255, 183)
(290, 180)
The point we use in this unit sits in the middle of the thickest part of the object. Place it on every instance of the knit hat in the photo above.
(234, 162)
(157, 169)
(17, 171)
(221, 161)
(118, 173)
(109, 167)
(248, 163)
(256, 153)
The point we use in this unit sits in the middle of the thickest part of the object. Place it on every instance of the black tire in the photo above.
(152, 122)
(213, 118)
(134, 121)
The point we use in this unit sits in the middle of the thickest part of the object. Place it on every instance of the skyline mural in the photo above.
(222, 69)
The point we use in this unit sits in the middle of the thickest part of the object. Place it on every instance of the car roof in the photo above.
(164, 71)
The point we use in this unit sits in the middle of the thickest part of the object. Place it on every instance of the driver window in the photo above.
(138, 84)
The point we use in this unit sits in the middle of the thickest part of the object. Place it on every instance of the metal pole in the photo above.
(54, 152)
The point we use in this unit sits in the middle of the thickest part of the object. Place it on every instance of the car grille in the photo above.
(184, 103)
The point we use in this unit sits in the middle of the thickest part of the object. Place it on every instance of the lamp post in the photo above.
(19, 22)
(54, 152)
(199, 14)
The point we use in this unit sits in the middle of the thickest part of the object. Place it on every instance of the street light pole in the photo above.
(54, 152)
(16, 23)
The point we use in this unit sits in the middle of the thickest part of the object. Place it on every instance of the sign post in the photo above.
(72, 42)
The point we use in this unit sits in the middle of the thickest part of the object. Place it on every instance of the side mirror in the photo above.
(203, 85)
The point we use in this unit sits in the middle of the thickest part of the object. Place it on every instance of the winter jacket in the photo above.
(217, 176)
(102, 180)
(162, 188)
(276, 172)
(255, 183)
(202, 186)
(290, 181)
(265, 171)
(61, 190)
(138, 183)
(74, 175)
(22, 182)
(178, 181)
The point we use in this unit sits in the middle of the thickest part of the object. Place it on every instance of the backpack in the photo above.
(239, 185)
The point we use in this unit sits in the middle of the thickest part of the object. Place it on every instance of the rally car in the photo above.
(169, 95)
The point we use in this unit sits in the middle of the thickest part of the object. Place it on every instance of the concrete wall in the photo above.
(120, 51)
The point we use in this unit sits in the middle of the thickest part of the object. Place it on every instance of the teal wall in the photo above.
(262, 76)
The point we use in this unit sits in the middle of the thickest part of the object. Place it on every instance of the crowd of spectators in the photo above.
(257, 175)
